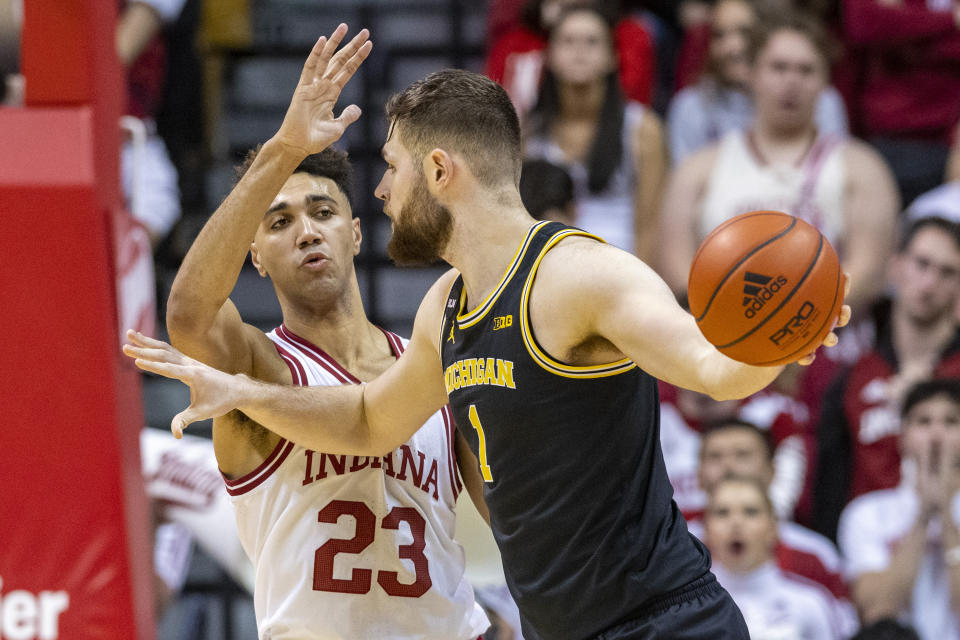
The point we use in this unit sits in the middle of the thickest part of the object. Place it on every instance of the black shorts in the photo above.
(700, 610)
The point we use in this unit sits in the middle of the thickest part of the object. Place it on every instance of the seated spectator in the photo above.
(902, 545)
(612, 148)
(741, 532)
(783, 162)
(547, 191)
(738, 448)
(720, 102)
(906, 100)
(917, 338)
(516, 59)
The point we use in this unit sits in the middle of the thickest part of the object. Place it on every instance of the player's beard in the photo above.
(421, 229)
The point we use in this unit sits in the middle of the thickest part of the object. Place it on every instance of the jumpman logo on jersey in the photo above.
(451, 337)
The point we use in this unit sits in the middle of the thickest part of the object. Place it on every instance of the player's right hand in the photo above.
(212, 392)
(309, 125)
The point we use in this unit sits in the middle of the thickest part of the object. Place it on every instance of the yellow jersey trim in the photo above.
(536, 353)
(464, 321)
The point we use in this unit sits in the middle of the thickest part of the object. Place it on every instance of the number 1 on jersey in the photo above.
(484, 467)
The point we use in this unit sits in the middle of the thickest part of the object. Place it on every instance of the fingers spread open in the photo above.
(352, 63)
(165, 369)
(313, 61)
(139, 339)
(329, 48)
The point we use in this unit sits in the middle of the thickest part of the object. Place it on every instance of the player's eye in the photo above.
(278, 224)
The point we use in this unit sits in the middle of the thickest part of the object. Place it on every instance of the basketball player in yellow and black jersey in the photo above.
(546, 342)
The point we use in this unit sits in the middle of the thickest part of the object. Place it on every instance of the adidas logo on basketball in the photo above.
(757, 290)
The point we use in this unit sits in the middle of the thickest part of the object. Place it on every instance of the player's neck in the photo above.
(485, 240)
(341, 329)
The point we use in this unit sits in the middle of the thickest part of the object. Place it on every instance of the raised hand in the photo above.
(309, 125)
(212, 392)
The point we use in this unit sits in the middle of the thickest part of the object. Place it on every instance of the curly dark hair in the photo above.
(461, 111)
(330, 163)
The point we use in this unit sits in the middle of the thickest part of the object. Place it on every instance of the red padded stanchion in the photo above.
(75, 549)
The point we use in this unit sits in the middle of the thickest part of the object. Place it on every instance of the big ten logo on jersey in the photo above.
(502, 322)
(28, 616)
(413, 467)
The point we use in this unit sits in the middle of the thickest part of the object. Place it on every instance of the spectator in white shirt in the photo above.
(902, 545)
(741, 532)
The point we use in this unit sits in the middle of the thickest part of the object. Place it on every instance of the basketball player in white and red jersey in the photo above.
(782, 162)
(343, 546)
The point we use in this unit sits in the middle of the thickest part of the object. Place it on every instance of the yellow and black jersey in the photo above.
(579, 499)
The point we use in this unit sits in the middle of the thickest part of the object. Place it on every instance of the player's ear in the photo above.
(438, 170)
(357, 236)
(255, 260)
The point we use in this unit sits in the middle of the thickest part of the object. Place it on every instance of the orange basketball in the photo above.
(765, 288)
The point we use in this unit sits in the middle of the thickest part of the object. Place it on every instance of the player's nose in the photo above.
(308, 231)
(382, 192)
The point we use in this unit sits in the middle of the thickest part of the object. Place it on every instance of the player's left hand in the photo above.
(842, 320)
(213, 393)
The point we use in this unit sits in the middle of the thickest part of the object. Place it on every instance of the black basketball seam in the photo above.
(813, 263)
(806, 344)
(719, 286)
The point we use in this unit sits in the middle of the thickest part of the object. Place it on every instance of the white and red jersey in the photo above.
(355, 546)
(778, 605)
(812, 189)
(871, 527)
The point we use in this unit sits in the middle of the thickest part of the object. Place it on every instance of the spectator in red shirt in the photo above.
(917, 338)
(907, 100)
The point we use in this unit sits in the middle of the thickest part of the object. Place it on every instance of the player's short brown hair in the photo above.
(463, 112)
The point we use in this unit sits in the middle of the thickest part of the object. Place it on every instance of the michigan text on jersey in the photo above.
(474, 371)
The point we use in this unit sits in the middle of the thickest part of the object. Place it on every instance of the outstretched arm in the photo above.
(367, 419)
(608, 295)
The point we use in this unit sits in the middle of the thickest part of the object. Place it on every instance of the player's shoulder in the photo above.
(582, 258)
(430, 314)
(439, 291)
